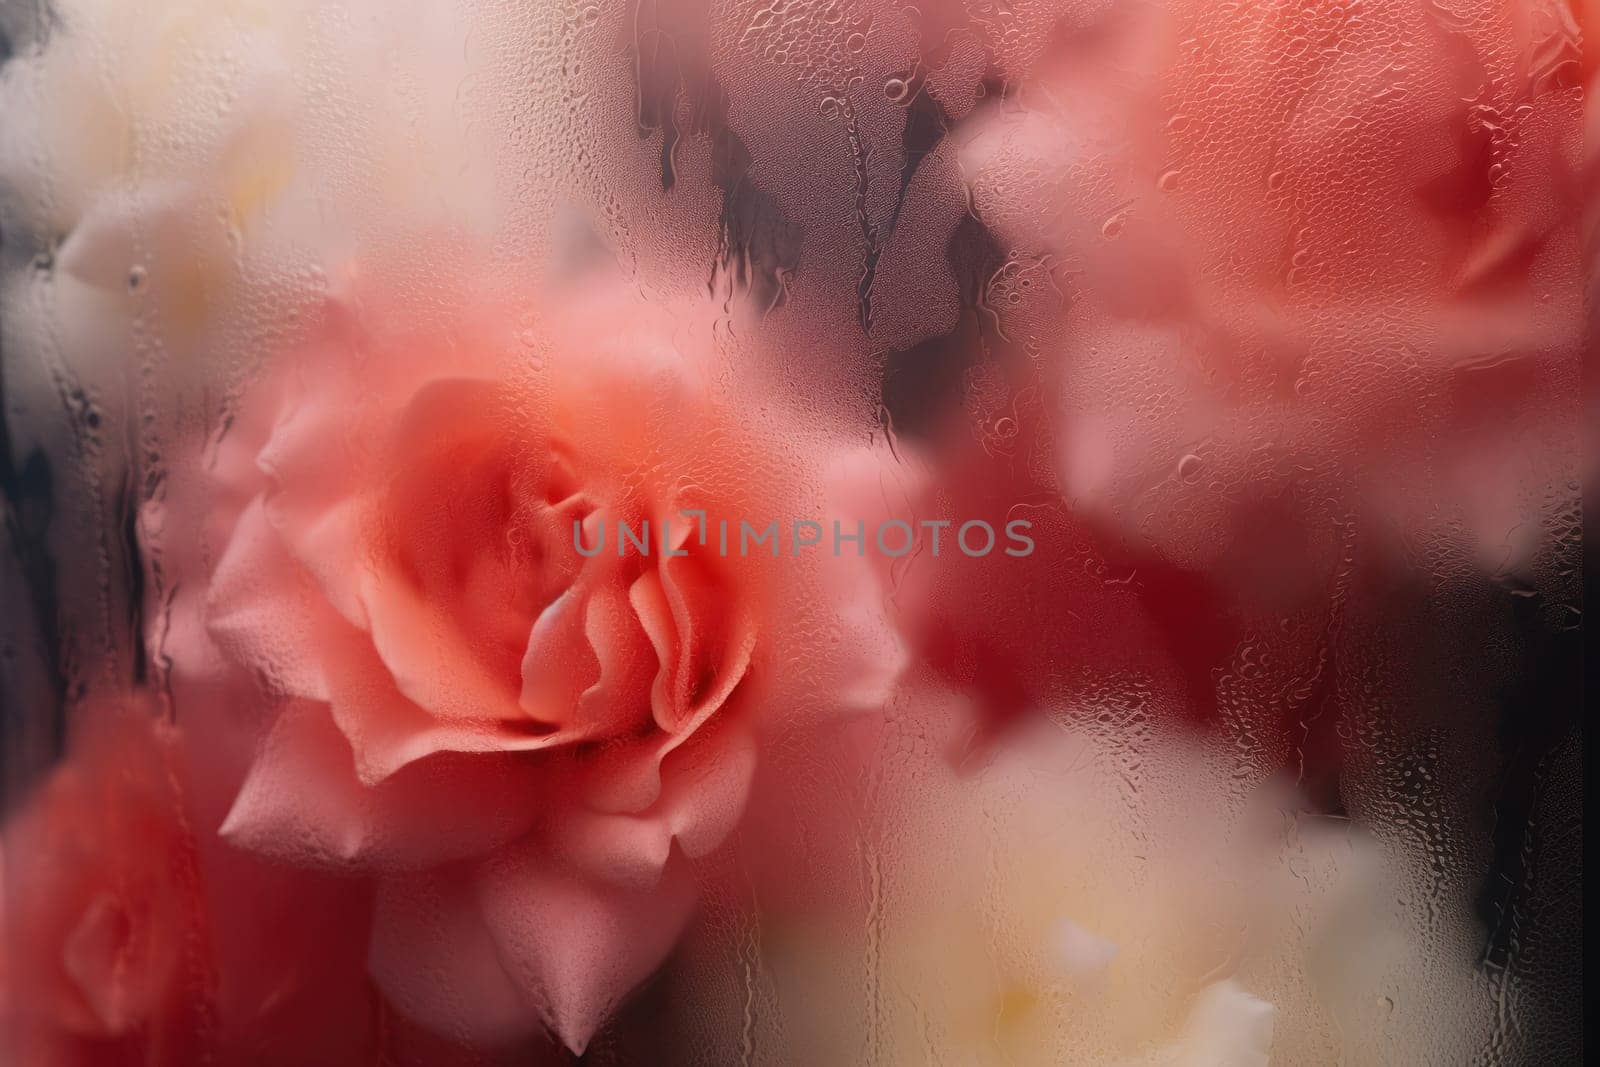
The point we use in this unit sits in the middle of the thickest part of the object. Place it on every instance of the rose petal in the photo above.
(304, 803)
(435, 960)
(560, 663)
(261, 613)
(431, 659)
(487, 957)
(1227, 1027)
(312, 465)
(704, 787)
(573, 946)
(703, 642)
(98, 954)
(388, 731)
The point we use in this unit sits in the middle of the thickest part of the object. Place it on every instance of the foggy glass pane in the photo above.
(806, 532)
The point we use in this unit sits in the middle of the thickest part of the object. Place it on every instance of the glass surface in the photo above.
(807, 532)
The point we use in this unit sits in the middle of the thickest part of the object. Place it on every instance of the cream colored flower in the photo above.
(1107, 896)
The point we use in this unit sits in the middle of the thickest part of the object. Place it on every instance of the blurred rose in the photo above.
(1283, 303)
(518, 738)
(102, 916)
(133, 935)
(180, 169)
(1101, 893)
(1314, 268)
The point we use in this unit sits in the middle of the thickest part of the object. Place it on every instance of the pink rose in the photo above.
(102, 916)
(1285, 302)
(131, 935)
(1313, 272)
(524, 742)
